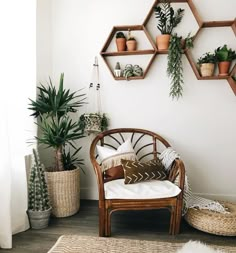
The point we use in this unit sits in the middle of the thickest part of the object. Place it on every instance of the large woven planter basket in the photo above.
(213, 222)
(64, 192)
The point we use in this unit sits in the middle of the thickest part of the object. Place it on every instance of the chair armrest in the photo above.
(177, 173)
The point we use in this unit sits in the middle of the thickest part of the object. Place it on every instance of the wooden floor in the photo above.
(143, 225)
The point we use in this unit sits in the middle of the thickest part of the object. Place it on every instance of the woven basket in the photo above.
(93, 123)
(207, 69)
(214, 222)
(64, 192)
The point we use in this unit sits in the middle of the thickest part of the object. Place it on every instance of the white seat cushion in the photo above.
(153, 189)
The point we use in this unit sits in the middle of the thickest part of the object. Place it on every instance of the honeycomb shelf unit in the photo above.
(155, 52)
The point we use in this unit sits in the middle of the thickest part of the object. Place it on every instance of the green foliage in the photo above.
(38, 199)
(167, 18)
(53, 110)
(225, 54)
(71, 161)
(188, 41)
(207, 58)
(120, 35)
(132, 70)
(102, 119)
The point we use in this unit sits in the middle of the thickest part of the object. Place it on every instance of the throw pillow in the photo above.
(114, 173)
(110, 157)
(135, 171)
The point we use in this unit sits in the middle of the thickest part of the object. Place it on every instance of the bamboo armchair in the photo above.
(147, 145)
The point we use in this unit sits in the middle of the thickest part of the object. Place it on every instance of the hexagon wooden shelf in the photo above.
(154, 51)
(104, 53)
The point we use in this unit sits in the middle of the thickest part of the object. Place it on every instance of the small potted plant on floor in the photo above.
(224, 56)
(206, 64)
(167, 19)
(131, 43)
(39, 208)
(53, 109)
(120, 41)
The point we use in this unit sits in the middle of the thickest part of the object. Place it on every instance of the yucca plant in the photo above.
(53, 110)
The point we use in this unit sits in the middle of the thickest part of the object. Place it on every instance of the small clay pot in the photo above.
(131, 45)
(224, 68)
(121, 44)
(163, 41)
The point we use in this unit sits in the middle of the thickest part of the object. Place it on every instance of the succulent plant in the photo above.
(38, 199)
(120, 35)
(225, 54)
(132, 70)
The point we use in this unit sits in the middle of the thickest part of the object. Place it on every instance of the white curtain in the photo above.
(17, 84)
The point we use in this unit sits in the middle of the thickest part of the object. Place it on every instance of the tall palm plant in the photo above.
(52, 108)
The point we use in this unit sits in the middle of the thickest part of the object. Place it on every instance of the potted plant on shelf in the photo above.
(131, 43)
(174, 63)
(53, 109)
(206, 64)
(224, 56)
(39, 208)
(93, 123)
(120, 41)
(132, 70)
(167, 19)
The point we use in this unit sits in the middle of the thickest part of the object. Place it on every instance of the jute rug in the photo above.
(90, 244)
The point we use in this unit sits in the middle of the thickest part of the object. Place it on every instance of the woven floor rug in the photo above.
(90, 244)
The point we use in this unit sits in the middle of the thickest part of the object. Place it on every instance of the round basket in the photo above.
(214, 222)
(93, 123)
(64, 192)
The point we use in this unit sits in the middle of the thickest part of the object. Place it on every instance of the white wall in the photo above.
(200, 126)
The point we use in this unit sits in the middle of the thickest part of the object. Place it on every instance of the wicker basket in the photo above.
(213, 222)
(64, 192)
(93, 123)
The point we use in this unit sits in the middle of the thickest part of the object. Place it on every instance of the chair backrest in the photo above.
(147, 145)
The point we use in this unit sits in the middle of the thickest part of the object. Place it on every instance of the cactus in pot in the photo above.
(39, 208)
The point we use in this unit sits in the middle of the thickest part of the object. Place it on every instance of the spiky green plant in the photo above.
(38, 199)
(167, 18)
(53, 109)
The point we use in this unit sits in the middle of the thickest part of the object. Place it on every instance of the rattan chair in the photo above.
(147, 145)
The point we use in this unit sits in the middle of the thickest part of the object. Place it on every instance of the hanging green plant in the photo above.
(93, 122)
(175, 65)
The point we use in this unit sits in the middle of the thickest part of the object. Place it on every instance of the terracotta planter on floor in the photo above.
(224, 68)
(163, 41)
(121, 44)
(131, 45)
(207, 69)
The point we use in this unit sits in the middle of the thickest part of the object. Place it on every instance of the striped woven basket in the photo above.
(64, 192)
(213, 222)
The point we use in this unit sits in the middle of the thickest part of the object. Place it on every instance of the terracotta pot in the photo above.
(207, 69)
(163, 41)
(131, 45)
(224, 68)
(121, 44)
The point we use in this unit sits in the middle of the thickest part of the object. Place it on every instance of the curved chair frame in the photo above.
(108, 206)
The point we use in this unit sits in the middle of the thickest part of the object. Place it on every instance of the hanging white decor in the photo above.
(94, 121)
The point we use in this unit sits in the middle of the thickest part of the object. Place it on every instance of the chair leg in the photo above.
(107, 223)
(172, 220)
(101, 222)
(178, 218)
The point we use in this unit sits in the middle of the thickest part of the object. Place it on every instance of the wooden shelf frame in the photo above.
(154, 51)
(105, 54)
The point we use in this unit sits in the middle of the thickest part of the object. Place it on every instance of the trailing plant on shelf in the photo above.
(39, 208)
(206, 64)
(167, 20)
(175, 65)
(120, 41)
(132, 70)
